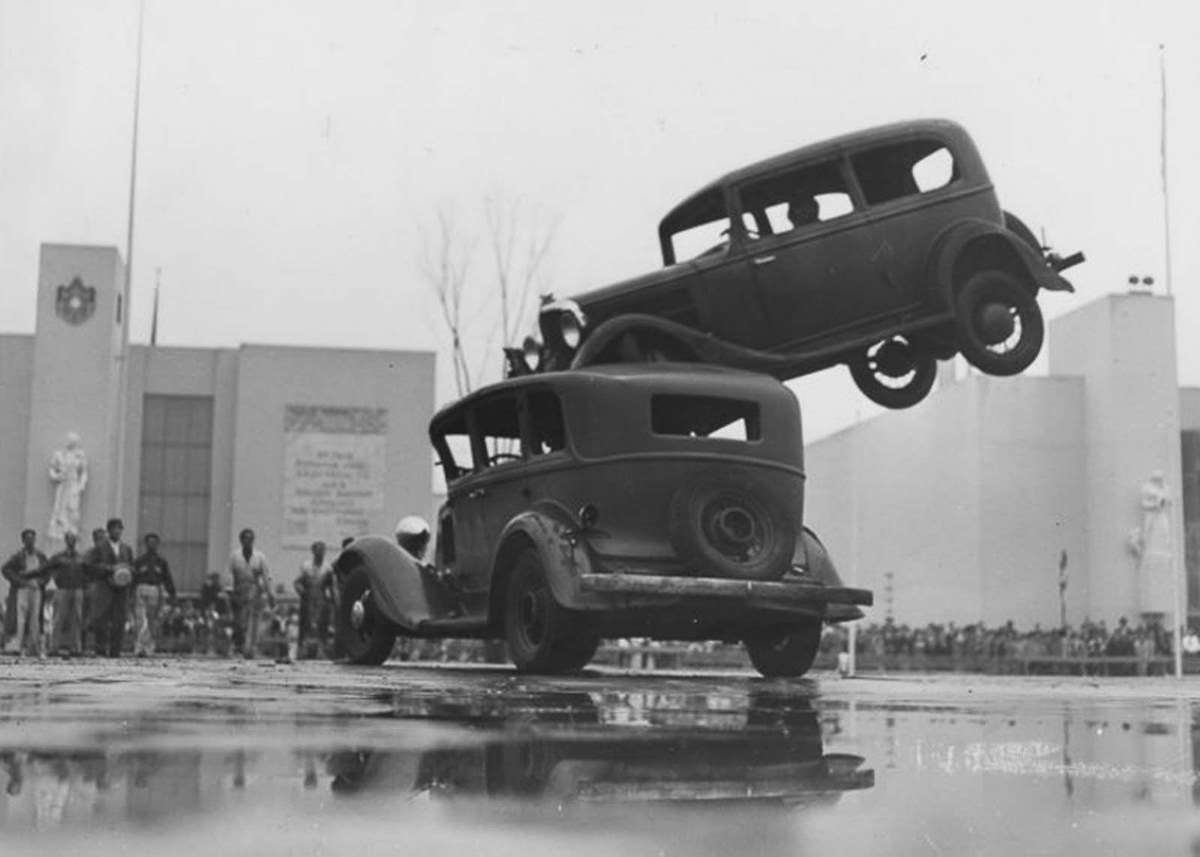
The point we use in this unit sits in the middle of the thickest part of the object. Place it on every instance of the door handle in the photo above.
(477, 493)
(764, 260)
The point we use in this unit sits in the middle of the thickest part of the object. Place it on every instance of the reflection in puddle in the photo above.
(558, 748)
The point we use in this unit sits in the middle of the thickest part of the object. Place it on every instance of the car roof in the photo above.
(667, 377)
(828, 148)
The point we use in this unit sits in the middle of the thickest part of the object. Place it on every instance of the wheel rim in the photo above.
(531, 614)
(735, 528)
(892, 363)
(362, 618)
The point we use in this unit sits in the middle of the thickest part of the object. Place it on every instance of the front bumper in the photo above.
(800, 594)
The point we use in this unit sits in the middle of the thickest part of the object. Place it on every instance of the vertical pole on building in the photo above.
(154, 314)
(1162, 73)
(1179, 566)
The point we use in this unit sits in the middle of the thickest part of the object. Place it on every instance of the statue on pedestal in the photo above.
(69, 473)
(1152, 545)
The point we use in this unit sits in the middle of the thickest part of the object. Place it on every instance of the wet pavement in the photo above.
(205, 757)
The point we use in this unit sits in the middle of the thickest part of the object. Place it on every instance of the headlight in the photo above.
(570, 330)
(531, 351)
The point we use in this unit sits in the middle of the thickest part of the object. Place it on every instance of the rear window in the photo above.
(705, 417)
(904, 169)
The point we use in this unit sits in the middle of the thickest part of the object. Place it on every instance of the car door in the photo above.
(489, 498)
(814, 265)
(702, 236)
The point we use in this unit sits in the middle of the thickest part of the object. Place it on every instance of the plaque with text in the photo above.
(333, 472)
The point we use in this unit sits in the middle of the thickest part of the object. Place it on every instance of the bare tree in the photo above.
(445, 264)
(483, 311)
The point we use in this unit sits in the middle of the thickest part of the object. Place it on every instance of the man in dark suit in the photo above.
(106, 557)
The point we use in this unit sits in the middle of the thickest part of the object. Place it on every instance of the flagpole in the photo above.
(1179, 565)
(137, 101)
(1162, 73)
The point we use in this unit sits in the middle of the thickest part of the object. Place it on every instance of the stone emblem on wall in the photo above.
(75, 303)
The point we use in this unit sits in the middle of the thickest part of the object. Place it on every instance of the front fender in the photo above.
(553, 532)
(397, 584)
(1008, 251)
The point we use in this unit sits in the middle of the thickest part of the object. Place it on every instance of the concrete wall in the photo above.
(270, 379)
(896, 501)
(1032, 498)
(1189, 408)
(16, 388)
(1124, 349)
(957, 509)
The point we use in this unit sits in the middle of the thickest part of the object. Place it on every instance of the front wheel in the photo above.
(894, 372)
(543, 636)
(999, 323)
(784, 653)
(367, 637)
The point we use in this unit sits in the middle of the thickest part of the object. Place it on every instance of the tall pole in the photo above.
(118, 481)
(1162, 74)
(137, 102)
(1178, 564)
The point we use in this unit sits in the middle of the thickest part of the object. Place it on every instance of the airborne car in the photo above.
(885, 250)
(651, 500)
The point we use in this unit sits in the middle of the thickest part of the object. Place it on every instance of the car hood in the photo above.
(595, 302)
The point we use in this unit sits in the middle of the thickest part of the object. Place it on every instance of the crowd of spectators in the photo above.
(1009, 649)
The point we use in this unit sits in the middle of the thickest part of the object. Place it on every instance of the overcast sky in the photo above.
(290, 152)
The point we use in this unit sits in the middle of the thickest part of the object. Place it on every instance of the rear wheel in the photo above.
(543, 636)
(367, 636)
(894, 373)
(999, 323)
(784, 652)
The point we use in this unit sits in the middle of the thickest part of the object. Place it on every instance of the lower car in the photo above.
(658, 500)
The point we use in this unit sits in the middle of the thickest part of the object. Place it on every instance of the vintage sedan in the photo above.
(884, 250)
(649, 500)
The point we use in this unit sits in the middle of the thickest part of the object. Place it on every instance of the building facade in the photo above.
(300, 444)
(1028, 498)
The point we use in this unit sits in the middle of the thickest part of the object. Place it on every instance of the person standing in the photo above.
(27, 570)
(69, 574)
(251, 584)
(151, 575)
(111, 566)
(310, 586)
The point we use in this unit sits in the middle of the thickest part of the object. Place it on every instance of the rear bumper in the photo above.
(670, 587)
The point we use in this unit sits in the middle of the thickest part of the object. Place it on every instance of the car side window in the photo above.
(903, 169)
(498, 426)
(547, 429)
(796, 199)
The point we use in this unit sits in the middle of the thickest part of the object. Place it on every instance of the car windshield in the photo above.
(699, 229)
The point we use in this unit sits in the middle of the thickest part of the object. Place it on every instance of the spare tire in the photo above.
(733, 524)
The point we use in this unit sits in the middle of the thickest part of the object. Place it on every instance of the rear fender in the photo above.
(397, 584)
(554, 533)
(975, 245)
(819, 565)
